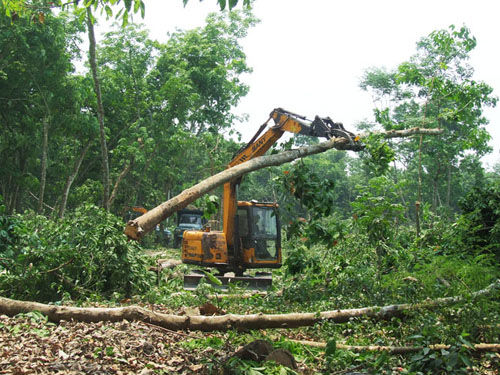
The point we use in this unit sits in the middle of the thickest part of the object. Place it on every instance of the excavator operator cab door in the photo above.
(260, 239)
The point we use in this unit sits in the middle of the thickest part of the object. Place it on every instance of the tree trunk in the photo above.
(43, 167)
(14, 200)
(419, 187)
(224, 322)
(434, 196)
(71, 179)
(438, 196)
(100, 110)
(448, 190)
(119, 179)
(139, 227)
(121, 176)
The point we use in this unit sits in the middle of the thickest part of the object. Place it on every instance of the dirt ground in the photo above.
(30, 345)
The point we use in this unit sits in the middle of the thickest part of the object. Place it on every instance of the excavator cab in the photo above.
(258, 235)
(256, 244)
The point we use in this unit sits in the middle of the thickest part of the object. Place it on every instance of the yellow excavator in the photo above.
(251, 235)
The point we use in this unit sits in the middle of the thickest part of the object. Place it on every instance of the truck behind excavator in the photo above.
(251, 234)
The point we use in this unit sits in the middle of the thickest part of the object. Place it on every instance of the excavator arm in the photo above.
(284, 121)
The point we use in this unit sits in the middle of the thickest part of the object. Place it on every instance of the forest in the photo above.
(390, 250)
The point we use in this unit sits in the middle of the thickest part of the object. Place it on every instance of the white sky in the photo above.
(308, 56)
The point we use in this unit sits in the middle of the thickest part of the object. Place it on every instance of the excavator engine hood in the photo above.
(204, 248)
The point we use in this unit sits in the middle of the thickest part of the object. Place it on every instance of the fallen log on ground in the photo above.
(225, 322)
(139, 227)
(400, 349)
(162, 264)
(222, 296)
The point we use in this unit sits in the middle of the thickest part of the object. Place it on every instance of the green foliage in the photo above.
(312, 190)
(434, 89)
(196, 78)
(478, 228)
(230, 4)
(376, 212)
(454, 360)
(37, 10)
(381, 155)
(7, 226)
(79, 256)
(316, 196)
(237, 366)
(16, 8)
(298, 260)
(209, 204)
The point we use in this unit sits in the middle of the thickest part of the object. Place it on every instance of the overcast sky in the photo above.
(308, 56)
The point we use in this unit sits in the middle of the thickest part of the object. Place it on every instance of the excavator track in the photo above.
(261, 281)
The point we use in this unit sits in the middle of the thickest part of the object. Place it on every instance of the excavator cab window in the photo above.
(243, 222)
(264, 219)
(190, 219)
(263, 236)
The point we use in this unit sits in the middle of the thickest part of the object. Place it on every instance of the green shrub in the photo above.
(84, 254)
(6, 230)
(478, 228)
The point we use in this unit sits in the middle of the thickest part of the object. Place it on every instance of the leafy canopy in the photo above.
(37, 9)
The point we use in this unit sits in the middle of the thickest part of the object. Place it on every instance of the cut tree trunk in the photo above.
(225, 322)
(139, 227)
(400, 349)
(162, 264)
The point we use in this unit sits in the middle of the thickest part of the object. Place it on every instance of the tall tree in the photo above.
(36, 60)
(194, 85)
(435, 88)
(153, 103)
(125, 59)
(100, 109)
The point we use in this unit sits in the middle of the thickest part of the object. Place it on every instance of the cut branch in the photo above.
(59, 267)
(139, 227)
(122, 175)
(45, 204)
(225, 322)
(400, 349)
(119, 179)
(162, 264)
(71, 178)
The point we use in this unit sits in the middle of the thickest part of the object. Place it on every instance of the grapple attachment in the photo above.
(326, 127)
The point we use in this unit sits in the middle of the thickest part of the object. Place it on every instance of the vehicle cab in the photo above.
(187, 219)
(259, 235)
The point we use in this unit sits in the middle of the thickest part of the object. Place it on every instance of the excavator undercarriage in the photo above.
(259, 281)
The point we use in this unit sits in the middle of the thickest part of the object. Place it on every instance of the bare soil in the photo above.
(30, 345)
